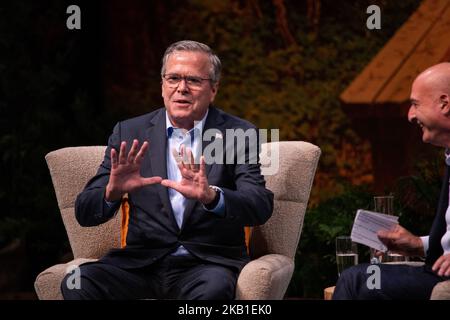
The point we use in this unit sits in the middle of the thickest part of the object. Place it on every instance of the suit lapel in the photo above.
(214, 120)
(156, 135)
(439, 225)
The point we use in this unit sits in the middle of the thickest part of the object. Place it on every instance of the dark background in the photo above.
(285, 63)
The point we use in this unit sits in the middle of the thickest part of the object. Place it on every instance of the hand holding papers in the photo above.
(366, 226)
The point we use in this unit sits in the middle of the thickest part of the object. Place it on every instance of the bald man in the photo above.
(430, 109)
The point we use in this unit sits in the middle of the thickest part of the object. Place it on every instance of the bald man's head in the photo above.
(436, 78)
(430, 104)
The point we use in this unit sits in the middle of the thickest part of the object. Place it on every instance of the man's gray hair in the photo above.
(189, 45)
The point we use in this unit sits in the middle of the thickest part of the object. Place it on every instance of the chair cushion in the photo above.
(48, 282)
(265, 278)
(441, 291)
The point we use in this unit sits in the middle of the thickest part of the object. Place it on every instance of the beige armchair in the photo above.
(272, 246)
(441, 291)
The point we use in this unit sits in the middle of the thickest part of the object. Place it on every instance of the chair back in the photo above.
(291, 184)
(70, 169)
(296, 163)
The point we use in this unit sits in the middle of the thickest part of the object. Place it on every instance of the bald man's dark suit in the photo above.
(401, 281)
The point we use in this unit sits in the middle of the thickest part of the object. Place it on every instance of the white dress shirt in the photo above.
(190, 139)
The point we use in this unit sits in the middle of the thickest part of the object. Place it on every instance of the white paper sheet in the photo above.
(366, 226)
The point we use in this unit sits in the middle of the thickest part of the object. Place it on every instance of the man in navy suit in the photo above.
(430, 109)
(185, 235)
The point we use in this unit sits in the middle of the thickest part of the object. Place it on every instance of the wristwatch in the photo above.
(214, 203)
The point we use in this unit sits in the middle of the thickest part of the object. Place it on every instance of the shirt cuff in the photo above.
(110, 204)
(219, 209)
(425, 243)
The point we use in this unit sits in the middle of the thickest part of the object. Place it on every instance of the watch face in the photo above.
(216, 189)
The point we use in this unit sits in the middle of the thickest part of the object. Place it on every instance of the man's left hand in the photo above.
(442, 266)
(194, 183)
(401, 241)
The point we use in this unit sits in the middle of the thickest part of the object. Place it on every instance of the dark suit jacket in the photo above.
(153, 231)
(439, 224)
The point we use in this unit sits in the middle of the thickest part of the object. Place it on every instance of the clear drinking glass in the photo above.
(385, 204)
(346, 253)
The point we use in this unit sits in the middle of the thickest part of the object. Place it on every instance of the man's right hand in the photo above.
(401, 241)
(125, 171)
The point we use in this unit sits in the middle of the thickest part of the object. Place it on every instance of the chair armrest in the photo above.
(265, 278)
(441, 291)
(48, 282)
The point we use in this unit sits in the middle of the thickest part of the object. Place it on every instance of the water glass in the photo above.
(385, 204)
(346, 253)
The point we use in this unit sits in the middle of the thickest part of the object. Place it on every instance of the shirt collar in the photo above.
(447, 156)
(198, 126)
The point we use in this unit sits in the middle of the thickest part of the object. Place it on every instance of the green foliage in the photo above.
(315, 259)
(415, 202)
(294, 88)
(52, 95)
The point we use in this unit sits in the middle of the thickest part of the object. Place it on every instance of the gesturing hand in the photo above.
(442, 265)
(125, 171)
(194, 183)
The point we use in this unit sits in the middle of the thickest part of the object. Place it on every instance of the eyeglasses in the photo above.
(173, 80)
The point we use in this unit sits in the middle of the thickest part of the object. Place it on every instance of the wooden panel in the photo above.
(431, 50)
(374, 78)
